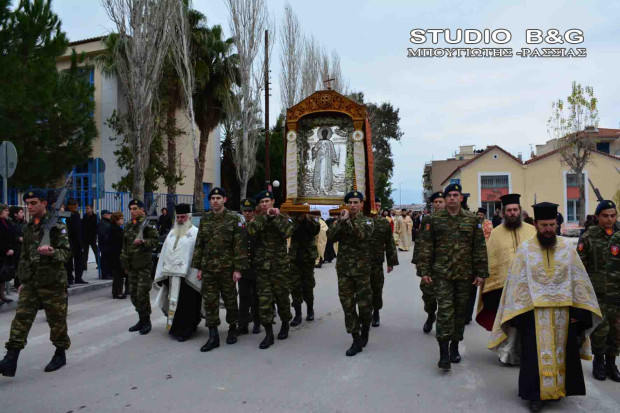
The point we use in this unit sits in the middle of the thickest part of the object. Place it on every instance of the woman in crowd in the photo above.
(115, 245)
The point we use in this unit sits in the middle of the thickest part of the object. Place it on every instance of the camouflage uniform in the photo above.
(612, 285)
(44, 283)
(303, 254)
(353, 269)
(429, 297)
(452, 254)
(592, 249)
(137, 261)
(381, 242)
(221, 249)
(272, 265)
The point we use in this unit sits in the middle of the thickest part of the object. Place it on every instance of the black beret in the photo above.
(136, 202)
(436, 195)
(483, 210)
(248, 204)
(377, 199)
(353, 194)
(217, 191)
(545, 210)
(182, 209)
(72, 201)
(452, 187)
(603, 205)
(35, 193)
(263, 195)
(509, 199)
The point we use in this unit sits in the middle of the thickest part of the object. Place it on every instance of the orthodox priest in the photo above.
(179, 297)
(501, 248)
(549, 299)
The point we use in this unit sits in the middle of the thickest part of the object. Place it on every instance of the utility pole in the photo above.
(267, 168)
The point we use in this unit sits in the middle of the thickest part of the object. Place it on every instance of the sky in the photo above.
(443, 102)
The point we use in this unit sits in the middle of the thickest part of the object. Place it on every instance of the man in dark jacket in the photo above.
(89, 232)
(104, 244)
(164, 223)
(74, 228)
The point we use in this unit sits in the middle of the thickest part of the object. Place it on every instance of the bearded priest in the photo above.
(179, 297)
(549, 299)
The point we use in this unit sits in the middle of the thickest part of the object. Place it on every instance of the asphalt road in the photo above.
(110, 369)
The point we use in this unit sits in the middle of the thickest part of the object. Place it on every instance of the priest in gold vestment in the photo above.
(549, 299)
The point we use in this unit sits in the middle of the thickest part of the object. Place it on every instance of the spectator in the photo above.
(559, 220)
(89, 232)
(74, 228)
(17, 219)
(114, 246)
(104, 248)
(527, 218)
(497, 218)
(164, 223)
(7, 241)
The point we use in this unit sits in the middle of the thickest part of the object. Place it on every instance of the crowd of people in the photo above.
(538, 296)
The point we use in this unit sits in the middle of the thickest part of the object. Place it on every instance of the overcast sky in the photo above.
(443, 102)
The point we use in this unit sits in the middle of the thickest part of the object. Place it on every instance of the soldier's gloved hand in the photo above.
(236, 276)
(199, 275)
(427, 279)
(478, 281)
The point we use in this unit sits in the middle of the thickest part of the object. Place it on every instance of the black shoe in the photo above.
(536, 405)
(213, 341)
(598, 367)
(7, 300)
(376, 320)
(146, 326)
(81, 282)
(455, 357)
(611, 369)
(297, 319)
(428, 325)
(136, 327)
(182, 338)
(444, 356)
(356, 347)
(242, 330)
(310, 310)
(268, 340)
(364, 335)
(8, 365)
(256, 329)
(283, 334)
(58, 360)
(232, 334)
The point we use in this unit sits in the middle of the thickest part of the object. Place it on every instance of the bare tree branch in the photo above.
(290, 58)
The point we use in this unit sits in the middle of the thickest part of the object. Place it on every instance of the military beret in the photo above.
(377, 199)
(353, 194)
(248, 204)
(136, 202)
(263, 195)
(436, 195)
(483, 210)
(451, 188)
(35, 193)
(603, 205)
(72, 201)
(217, 191)
(182, 209)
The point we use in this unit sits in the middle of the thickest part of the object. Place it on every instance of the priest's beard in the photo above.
(512, 222)
(547, 242)
(180, 230)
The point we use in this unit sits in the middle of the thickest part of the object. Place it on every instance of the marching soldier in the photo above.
(382, 247)
(272, 229)
(303, 254)
(451, 256)
(612, 302)
(592, 248)
(137, 262)
(221, 253)
(44, 284)
(352, 231)
(248, 292)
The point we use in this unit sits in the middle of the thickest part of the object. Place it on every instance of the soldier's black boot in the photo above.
(376, 320)
(256, 328)
(455, 357)
(243, 329)
(297, 319)
(428, 325)
(365, 334)
(356, 347)
(8, 365)
(232, 334)
(146, 326)
(598, 367)
(213, 341)
(58, 360)
(136, 327)
(444, 355)
(310, 309)
(283, 334)
(268, 340)
(610, 367)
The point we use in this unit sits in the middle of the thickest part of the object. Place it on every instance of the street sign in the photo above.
(8, 159)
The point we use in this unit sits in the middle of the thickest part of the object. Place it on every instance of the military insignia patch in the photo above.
(580, 246)
(64, 231)
(479, 225)
(615, 250)
(609, 231)
(239, 224)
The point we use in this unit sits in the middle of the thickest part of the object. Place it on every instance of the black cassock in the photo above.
(187, 315)
(529, 379)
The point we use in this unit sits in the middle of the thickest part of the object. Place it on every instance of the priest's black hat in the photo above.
(353, 194)
(182, 209)
(545, 210)
(452, 187)
(436, 195)
(603, 205)
(509, 199)
(263, 195)
(483, 210)
(217, 191)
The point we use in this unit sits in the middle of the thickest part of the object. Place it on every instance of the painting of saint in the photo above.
(324, 157)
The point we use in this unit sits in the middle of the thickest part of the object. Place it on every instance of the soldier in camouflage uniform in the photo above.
(303, 254)
(429, 297)
(612, 302)
(220, 254)
(592, 249)
(452, 255)
(381, 242)
(248, 291)
(352, 231)
(44, 284)
(137, 262)
(271, 229)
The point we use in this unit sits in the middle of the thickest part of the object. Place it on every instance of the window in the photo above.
(603, 147)
(494, 181)
(491, 206)
(572, 207)
(571, 180)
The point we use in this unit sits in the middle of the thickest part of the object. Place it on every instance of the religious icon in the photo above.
(324, 156)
